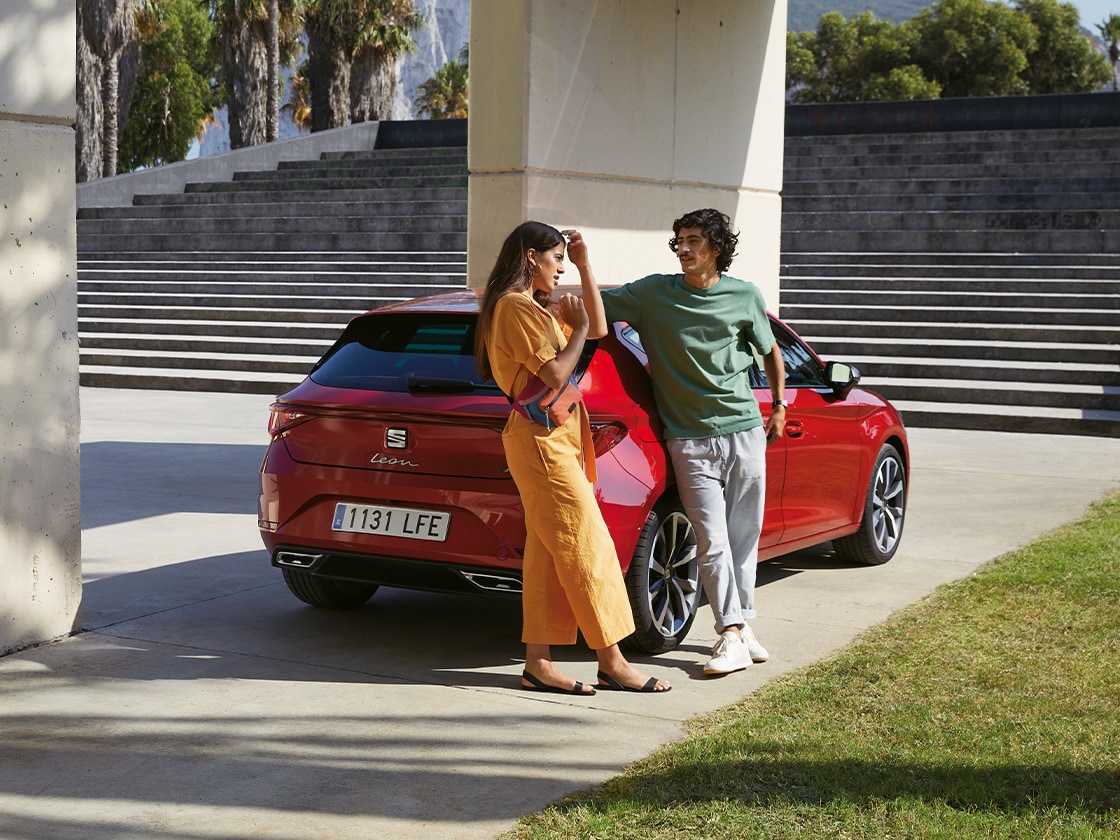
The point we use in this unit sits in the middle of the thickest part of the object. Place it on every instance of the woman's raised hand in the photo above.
(577, 248)
(573, 312)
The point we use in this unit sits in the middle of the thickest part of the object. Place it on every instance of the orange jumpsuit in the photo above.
(572, 577)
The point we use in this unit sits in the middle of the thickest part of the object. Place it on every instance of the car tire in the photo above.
(663, 580)
(884, 512)
(325, 592)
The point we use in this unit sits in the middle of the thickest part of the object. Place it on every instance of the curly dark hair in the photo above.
(716, 227)
(511, 274)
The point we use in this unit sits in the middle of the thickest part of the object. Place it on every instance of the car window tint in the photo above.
(802, 368)
(385, 352)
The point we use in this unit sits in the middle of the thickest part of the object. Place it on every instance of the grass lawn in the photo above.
(989, 709)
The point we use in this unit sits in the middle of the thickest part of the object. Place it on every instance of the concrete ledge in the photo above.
(982, 113)
(418, 134)
(119, 190)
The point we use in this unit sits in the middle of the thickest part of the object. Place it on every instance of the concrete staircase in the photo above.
(973, 277)
(241, 284)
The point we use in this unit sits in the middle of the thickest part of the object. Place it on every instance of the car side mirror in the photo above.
(841, 377)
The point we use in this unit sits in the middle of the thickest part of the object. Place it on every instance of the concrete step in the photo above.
(844, 325)
(294, 184)
(922, 171)
(797, 184)
(208, 259)
(210, 227)
(999, 393)
(295, 241)
(874, 367)
(980, 349)
(1039, 241)
(295, 197)
(956, 301)
(967, 221)
(302, 209)
(983, 141)
(283, 333)
(1009, 418)
(171, 379)
(332, 312)
(911, 202)
(979, 261)
(958, 155)
(332, 170)
(173, 343)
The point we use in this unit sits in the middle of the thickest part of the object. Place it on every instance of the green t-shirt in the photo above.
(698, 344)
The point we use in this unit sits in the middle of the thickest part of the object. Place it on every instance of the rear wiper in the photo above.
(435, 385)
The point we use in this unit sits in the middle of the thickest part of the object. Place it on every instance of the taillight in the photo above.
(607, 436)
(282, 417)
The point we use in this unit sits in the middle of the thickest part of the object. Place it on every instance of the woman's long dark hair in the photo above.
(511, 273)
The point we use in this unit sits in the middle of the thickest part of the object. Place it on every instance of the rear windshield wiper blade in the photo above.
(436, 385)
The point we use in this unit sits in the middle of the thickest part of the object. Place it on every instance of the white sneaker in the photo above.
(757, 651)
(729, 654)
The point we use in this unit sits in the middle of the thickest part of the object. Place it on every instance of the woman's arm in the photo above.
(556, 371)
(592, 302)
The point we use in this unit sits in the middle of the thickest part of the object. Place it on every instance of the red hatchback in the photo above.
(386, 468)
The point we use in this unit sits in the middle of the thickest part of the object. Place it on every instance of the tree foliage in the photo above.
(445, 95)
(954, 48)
(351, 46)
(174, 94)
(1110, 31)
(250, 60)
(862, 58)
(1064, 61)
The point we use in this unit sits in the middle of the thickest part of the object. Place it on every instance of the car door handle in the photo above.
(794, 429)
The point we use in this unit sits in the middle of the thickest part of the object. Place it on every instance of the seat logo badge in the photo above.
(396, 438)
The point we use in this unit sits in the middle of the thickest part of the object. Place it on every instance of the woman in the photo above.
(571, 573)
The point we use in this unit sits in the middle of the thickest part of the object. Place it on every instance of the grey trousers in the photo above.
(722, 485)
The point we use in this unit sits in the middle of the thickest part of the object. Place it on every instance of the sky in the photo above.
(1095, 11)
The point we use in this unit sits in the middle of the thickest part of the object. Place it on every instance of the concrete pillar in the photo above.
(618, 116)
(40, 528)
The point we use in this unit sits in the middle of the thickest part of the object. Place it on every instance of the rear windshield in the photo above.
(415, 352)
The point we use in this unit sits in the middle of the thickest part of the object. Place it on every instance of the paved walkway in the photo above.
(204, 701)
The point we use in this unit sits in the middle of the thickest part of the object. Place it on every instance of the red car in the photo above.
(385, 468)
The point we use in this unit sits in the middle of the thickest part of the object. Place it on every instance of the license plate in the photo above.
(391, 521)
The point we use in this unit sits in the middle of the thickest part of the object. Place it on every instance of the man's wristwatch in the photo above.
(782, 403)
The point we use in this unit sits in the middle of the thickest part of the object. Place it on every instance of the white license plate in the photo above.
(391, 521)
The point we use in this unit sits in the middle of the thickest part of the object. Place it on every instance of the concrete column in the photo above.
(618, 116)
(40, 528)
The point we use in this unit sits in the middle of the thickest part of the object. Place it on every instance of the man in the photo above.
(696, 328)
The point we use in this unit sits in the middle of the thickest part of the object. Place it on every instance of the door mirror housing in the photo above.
(841, 377)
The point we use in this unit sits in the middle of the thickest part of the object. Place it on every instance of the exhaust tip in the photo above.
(493, 583)
(296, 559)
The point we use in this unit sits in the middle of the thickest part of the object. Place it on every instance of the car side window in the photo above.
(802, 368)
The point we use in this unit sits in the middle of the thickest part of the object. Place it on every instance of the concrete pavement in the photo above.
(202, 700)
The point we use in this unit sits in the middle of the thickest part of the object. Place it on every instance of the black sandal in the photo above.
(539, 685)
(609, 683)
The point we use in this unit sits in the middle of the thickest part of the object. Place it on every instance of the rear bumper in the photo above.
(401, 572)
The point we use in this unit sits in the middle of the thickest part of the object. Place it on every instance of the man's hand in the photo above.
(775, 424)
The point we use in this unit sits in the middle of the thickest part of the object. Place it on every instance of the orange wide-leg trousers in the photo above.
(572, 578)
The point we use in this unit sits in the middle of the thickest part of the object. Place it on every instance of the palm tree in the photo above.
(250, 63)
(387, 32)
(108, 28)
(445, 94)
(1110, 31)
(272, 105)
(332, 28)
